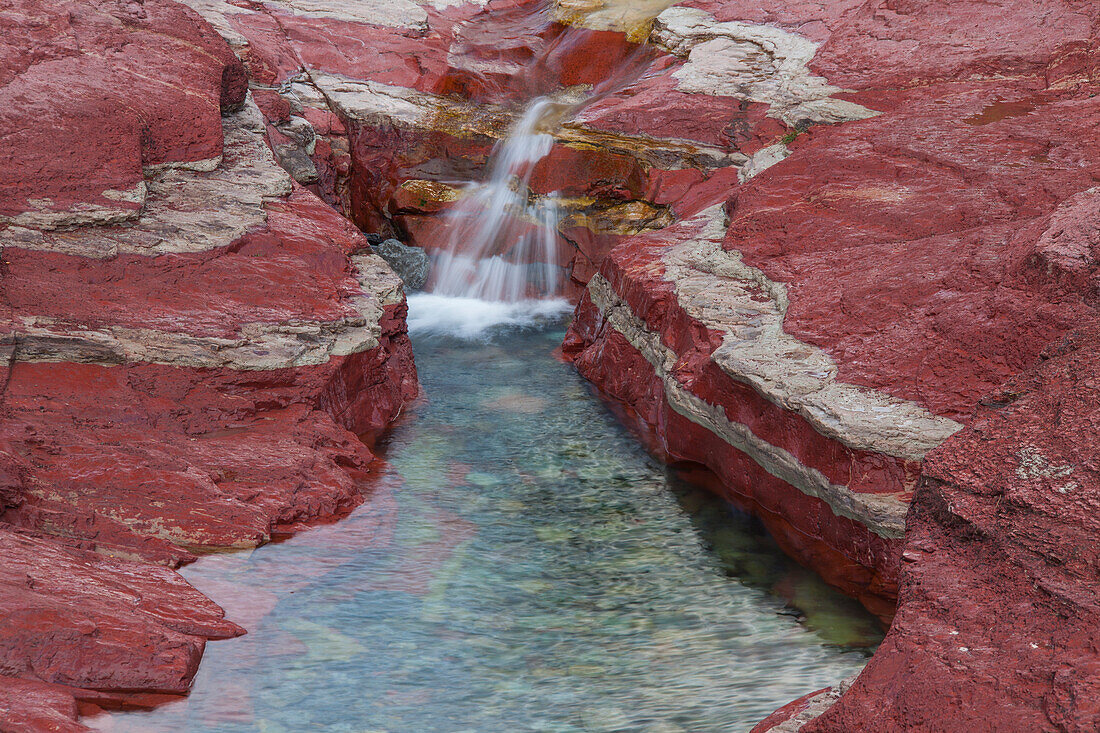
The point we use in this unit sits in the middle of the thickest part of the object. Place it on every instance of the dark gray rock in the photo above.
(410, 263)
(301, 132)
(297, 163)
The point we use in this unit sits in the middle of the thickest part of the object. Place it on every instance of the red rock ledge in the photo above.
(883, 340)
(189, 344)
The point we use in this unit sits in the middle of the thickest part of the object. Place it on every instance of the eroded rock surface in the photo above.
(998, 611)
(884, 309)
(190, 344)
(841, 253)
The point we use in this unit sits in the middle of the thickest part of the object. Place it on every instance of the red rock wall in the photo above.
(941, 253)
(844, 552)
(903, 233)
(190, 344)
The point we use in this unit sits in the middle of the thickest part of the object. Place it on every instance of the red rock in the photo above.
(405, 58)
(27, 705)
(933, 252)
(78, 619)
(119, 443)
(998, 615)
(957, 41)
(492, 56)
(275, 107)
(785, 713)
(943, 263)
(269, 58)
(653, 106)
(175, 88)
(517, 52)
(841, 292)
(191, 379)
(844, 552)
(585, 172)
(914, 253)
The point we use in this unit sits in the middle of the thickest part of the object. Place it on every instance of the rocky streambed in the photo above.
(521, 563)
(841, 254)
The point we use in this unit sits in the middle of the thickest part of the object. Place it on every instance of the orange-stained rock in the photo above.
(430, 106)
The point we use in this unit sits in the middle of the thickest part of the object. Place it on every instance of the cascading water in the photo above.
(503, 240)
(501, 262)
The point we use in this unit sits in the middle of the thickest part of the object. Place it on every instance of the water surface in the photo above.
(522, 565)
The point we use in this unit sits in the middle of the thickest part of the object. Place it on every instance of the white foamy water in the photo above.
(503, 243)
(472, 318)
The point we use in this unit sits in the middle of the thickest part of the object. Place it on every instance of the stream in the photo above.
(520, 564)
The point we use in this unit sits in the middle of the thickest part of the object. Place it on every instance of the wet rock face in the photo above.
(190, 343)
(410, 263)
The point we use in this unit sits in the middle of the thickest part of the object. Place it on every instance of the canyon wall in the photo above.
(882, 340)
(191, 343)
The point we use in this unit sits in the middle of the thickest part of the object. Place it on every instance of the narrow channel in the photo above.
(520, 564)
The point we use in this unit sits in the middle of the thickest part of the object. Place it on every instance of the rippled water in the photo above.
(522, 566)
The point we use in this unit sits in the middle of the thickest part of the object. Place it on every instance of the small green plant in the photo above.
(790, 137)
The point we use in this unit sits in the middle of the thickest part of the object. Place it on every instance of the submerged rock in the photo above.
(410, 263)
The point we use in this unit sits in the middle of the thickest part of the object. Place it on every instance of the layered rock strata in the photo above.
(191, 344)
(882, 342)
(875, 215)
(843, 254)
(709, 367)
(386, 137)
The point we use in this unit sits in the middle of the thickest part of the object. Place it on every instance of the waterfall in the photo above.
(499, 260)
(503, 242)
(500, 264)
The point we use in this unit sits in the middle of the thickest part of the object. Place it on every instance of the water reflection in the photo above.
(521, 566)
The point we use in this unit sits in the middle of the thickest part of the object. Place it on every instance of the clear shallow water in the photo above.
(522, 565)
